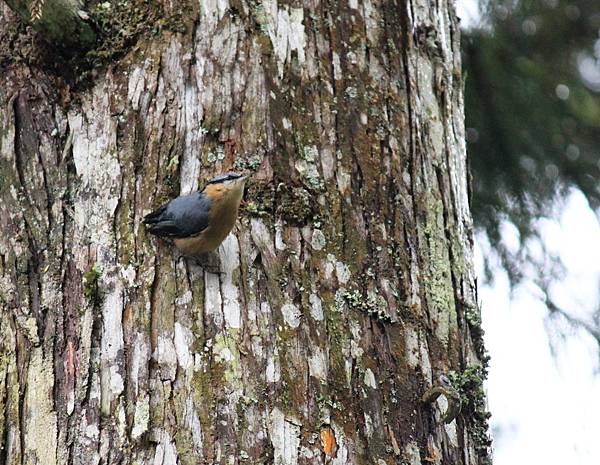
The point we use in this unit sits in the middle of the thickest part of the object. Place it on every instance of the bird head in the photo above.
(226, 184)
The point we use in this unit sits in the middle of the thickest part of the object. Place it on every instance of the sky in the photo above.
(468, 12)
(544, 377)
(543, 395)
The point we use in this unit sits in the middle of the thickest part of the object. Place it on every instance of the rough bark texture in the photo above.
(348, 280)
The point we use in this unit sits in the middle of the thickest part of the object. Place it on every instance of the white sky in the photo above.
(546, 408)
(468, 12)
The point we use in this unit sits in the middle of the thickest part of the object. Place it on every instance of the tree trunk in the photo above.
(348, 283)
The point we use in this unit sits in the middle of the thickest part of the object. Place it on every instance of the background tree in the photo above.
(532, 111)
(348, 285)
(532, 117)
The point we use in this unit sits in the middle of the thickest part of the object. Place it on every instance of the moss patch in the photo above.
(469, 384)
(17, 43)
(260, 199)
(90, 284)
(121, 23)
(473, 318)
(118, 25)
(294, 205)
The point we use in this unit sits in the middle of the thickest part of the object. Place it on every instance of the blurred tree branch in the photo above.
(531, 115)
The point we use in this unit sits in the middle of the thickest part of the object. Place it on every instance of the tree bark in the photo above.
(348, 282)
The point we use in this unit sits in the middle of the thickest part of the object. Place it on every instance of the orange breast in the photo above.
(223, 214)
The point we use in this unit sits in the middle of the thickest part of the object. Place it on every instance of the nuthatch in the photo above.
(199, 222)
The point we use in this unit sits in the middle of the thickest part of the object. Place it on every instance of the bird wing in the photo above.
(184, 216)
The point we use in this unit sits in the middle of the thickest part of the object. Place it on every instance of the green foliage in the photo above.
(532, 112)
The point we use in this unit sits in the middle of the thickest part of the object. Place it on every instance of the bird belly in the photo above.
(207, 241)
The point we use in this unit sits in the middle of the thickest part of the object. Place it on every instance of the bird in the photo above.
(199, 222)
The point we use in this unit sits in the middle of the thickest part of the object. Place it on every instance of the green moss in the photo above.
(226, 353)
(171, 181)
(469, 384)
(438, 283)
(120, 24)
(257, 10)
(294, 205)
(327, 403)
(254, 209)
(59, 23)
(6, 171)
(186, 450)
(198, 325)
(17, 34)
(90, 283)
(338, 397)
(473, 317)
(207, 384)
(310, 175)
(260, 199)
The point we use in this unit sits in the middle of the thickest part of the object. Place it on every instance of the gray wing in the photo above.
(182, 217)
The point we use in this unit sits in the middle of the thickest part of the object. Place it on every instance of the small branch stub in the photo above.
(444, 387)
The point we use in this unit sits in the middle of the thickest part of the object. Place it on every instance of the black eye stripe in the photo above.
(224, 177)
